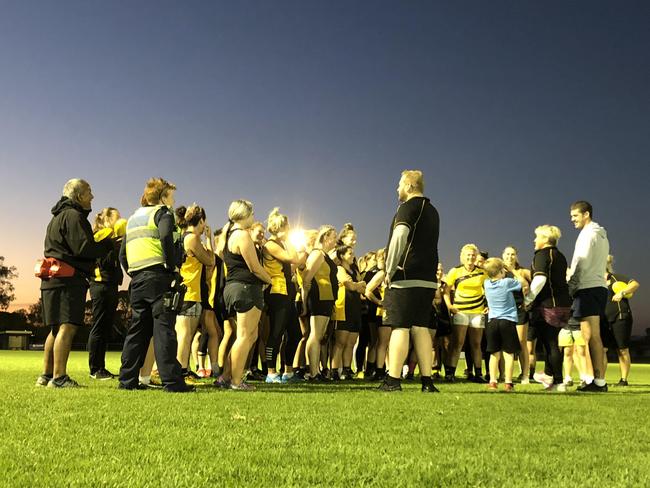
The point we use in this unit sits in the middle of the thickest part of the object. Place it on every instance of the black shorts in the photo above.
(502, 336)
(408, 307)
(589, 302)
(321, 308)
(522, 315)
(617, 334)
(64, 305)
(349, 326)
(533, 331)
(242, 297)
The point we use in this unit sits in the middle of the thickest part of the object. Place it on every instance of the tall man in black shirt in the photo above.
(411, 265)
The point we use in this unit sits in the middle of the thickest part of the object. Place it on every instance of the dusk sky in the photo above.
(513, 110)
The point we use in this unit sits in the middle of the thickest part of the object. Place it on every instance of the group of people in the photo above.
(301, 306)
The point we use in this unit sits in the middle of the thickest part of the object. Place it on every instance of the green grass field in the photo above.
(337, 435)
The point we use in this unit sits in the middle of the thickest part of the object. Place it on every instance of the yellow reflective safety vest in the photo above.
(143, 246)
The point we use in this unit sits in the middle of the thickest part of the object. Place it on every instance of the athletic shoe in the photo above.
(102, 374)
(436, 376)
(299, 372)
(335, 376)
(568, 381)
(478, 379)
(186, 389)
(63, 382)
(409, 376)
(377, 375)
(388, 388)
(220, 382)
(43, 380)
(149, 386)
(622, 382)
(291, 378)
(450, 378)
(592, 388)
(203, 373)
(544, 379)
(276, 378)
(141, 386)
(492, 386)
(256, 375)
(191, 380)
(556, 388)
(192, 375)
(525, 381)
(430, 388)
(243, 386)
(509, 388)
(319, 378)
(348, 374)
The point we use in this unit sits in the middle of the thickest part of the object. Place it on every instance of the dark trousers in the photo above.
(104, 300)
(364, 342)
(554, 356)
(150, 319)
(280, 312)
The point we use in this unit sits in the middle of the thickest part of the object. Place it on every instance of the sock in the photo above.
(600, 382)
(450, 370)
(184, 371)
(588, 379)
(145, 380)
(532, 371)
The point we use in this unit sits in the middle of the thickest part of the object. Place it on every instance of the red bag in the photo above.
(52, 268)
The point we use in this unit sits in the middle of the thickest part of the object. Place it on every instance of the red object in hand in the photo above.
(52, 268)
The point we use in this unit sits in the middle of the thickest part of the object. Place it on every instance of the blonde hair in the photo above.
(517, 265)
(347, 229)
(276, 222)
(322, 232)
(100, 218)
(493, 267)
(415, 179)
(237, 211)
(468, 247)
(549, 232)
(73, 188)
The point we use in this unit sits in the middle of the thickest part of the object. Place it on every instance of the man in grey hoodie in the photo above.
(588, 288)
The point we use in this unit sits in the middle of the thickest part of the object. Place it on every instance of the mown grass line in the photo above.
(336, 435)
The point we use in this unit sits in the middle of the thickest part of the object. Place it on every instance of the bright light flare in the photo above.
(298, 239)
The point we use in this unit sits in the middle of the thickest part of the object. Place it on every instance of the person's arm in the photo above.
(631, 287)
(247, 250)
(122, 257)
(80, 239)
(346, 280)
(536, 286)
(193, 244)
(286, 256)
(447, 298)
(314, 262)
(396, 248)
(579, 261)
(165, 223)
(375, 281)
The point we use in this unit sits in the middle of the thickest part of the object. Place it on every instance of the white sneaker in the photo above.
(525, 381)
(544, 379)
(557, 388)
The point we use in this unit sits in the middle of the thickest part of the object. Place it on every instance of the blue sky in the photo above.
(512, 109)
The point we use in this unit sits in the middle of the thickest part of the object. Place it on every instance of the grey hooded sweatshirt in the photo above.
(589, 262)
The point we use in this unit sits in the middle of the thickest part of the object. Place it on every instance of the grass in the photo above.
(336, 435)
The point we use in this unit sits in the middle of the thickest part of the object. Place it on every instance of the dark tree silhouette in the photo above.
(7, 273)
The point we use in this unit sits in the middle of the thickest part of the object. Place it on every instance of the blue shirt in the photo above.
(501, 301)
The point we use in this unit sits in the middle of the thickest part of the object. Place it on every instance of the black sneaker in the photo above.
(387, 387)
(319, 378)
(256, 375)
(430, 388)
(478, 379)
(336, 376)
(63, 382)
(180, 389)
(592, 388)
(102, 374)
(409, 376)
(450, 378)
(378, 375)
(141, 386)
(622, 382)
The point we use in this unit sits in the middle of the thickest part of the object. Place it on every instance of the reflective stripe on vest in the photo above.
(143, 246)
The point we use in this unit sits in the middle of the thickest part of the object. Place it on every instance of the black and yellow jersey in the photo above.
(469, 294)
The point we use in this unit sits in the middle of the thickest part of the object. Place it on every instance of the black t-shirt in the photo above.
(617, 310)
(550, 262)
(420, 258)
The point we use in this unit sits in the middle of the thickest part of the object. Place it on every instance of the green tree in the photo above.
(7, 273)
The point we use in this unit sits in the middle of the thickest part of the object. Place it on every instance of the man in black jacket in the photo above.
(69, 239)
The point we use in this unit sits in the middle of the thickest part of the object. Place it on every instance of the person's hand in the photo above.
(486, 311)
(207, 231)
(525, 289)
(453, 310)
(618, 297)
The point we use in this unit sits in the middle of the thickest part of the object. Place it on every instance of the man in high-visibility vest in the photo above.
(149, 255)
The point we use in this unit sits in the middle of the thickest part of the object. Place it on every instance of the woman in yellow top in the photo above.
(467, 308)
(319, 287)
(279, 255)
(192, 221)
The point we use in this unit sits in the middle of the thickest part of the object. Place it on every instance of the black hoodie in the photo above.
(69, 238)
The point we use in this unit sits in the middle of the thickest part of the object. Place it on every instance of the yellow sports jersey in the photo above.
(191, 273)
(275, 269)
(339, 304)
(382, 292)
(469, 294)
(323, 282)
